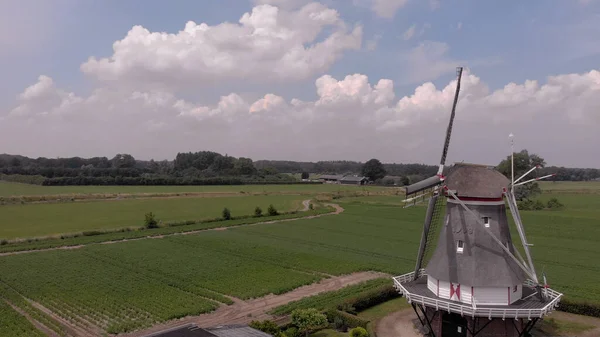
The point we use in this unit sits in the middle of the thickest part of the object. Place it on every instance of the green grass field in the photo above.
(132, 284)
(12, 189)
(43, 219)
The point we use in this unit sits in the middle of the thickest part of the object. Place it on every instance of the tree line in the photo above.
(212, 168)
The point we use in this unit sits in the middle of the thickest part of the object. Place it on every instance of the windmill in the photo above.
(469, 278)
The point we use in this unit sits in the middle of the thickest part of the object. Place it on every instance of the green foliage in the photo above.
(523, 162)
(226, 214)
(292, 332)
(359, 332)
(267, 326)
(304, 175)
(24, 179)
(272, 210)
(553, 203)
(258, 211)
(348, 320)
(311, 206)
(150, 221)
(373, 169)
(580, 307)
(308, 319)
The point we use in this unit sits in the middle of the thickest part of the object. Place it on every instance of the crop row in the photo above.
(88, 292)
(197, 267)
(12, 324)
(11, 296)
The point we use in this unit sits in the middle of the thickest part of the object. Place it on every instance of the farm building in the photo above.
(330, 178)
(354, 180)
(192, 330)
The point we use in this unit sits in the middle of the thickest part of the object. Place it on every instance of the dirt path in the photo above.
(242, 312)
(398, 324)
(338, 210)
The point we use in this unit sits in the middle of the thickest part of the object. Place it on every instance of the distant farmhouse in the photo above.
(345, 180)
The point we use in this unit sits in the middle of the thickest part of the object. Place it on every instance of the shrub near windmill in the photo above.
(474, 281)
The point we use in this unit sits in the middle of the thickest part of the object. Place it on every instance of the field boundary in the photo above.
(337, 210)
(256, 309)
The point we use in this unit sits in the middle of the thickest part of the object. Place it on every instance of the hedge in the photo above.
(348, 320)
(371, 298)
(579, 308)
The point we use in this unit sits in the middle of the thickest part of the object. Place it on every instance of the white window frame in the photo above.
(460, 246)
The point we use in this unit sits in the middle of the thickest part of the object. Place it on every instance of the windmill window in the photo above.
(486, 221)
(460, 246)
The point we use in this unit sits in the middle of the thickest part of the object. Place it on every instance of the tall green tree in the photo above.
(373, 169)
(523, 162)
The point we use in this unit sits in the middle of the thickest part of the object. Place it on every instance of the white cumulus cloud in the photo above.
(350, 118)
(267, 44)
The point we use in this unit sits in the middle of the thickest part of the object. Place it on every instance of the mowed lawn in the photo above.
(15, 189)
(33, 220)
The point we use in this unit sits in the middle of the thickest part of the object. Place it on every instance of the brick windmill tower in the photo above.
(474, 282)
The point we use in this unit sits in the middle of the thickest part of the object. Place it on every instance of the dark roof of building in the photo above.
(237, 331)
(191, 330)
(188, 330)
(353, 178)
(477, 181)
(330, 176)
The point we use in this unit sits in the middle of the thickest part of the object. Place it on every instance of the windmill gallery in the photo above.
(470, 279)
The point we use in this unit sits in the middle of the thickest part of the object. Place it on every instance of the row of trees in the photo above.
(207, 167)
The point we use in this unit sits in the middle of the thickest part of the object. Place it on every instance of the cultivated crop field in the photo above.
(130, 285)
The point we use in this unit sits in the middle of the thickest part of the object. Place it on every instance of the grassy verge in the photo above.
(555, 327)
(129, 233)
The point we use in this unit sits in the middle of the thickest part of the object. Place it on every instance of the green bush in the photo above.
(272, 211)
(150, 221)
(348, 320)
(311, 206)
(538, 205)
(359, 332)
(554, 204)
(257, 212)
(340, 325)
(226, 214)
(292, 332)
(525, 205)
(267, 326)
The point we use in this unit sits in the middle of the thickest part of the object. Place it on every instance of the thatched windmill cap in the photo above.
(476, 181)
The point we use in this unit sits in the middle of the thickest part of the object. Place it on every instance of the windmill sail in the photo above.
(435, 206)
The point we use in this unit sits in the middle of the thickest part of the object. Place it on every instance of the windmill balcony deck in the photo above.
(530, 306)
